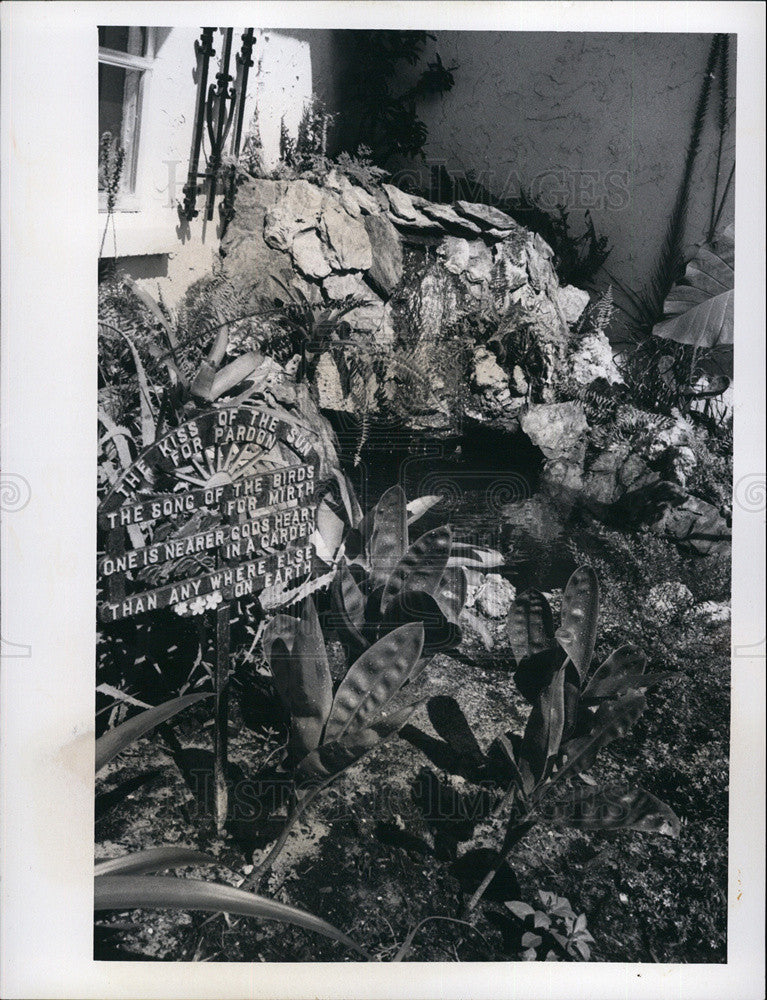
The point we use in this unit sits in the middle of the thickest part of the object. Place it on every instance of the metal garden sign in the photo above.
(220, 508)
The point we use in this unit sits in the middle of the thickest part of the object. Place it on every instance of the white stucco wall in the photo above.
(594, 120)
(152, 245)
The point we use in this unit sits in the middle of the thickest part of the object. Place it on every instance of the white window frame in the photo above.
(129, 201)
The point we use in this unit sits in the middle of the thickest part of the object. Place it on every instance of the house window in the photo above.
(125, 60)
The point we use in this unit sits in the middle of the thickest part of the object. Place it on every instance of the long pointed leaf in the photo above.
(302, 676)
(421, 568)
(580, 617)
(612, 720)
(128, 892)
(545, 726)
(154, 859)
(389, 539)
(475, 556)
(148, 426)
(332, 758)
(349, 499)
(418, 507)
(328, 535)
(283, 627)
(617, 809)
(373, 680)
(530, 625)
(451, 593)
(116, 740)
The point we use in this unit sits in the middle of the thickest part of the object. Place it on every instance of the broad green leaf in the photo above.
(614, 808)
(389, 538)
(323, 765)
(420, 569)
(349, 599)
(328, 534)
(154, 859)
(282, 627)
(625, 660)
(306, 680)
(157, 892)
(332, 758)
(530, 625)
(520, 909)
(545, 725)
(622, 671)
(580, 617)
(534, 672)
(699, 309)
(451, 592)
(373, 680)
(116, 740)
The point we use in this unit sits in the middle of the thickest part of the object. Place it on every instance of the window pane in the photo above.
(119, 91)
(124, 39)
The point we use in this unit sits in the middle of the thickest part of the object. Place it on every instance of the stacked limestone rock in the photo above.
(416, 270)
(338, 239)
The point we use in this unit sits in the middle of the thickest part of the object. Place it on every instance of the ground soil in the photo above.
(407, 833)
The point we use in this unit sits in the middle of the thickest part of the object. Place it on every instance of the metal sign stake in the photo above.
(221, 718)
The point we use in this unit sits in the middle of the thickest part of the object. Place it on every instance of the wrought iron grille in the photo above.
(219, 110)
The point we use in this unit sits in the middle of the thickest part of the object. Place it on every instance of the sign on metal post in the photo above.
(220, 508)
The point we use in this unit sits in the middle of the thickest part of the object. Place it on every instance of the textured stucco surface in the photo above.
(154, 248)
(595, 120)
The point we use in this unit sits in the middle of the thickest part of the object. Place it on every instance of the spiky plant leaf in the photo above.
(154, 859)
(580, 616)
(475, 556)
(418, 507)
(116, 740)
(476, 624)
(389, 539)
(328, 534)
(348, 498)
(231, 375)
(451, 593)
(153, 892)
(530, 625)
(373, 680)
(617, 809)
(420, 569)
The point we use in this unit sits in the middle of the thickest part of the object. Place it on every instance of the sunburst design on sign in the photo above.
(217, 466)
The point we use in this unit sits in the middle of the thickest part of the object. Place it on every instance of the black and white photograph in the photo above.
(412, 404)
